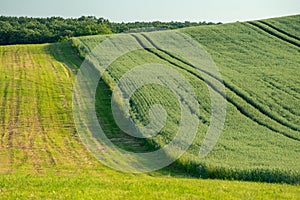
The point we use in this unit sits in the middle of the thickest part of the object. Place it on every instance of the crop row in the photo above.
(238, 93)
(281, 35)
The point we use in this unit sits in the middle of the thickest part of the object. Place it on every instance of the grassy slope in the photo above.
(37, 129)
(260, 71)
(265, 68)
(41, 157)
(255, 62)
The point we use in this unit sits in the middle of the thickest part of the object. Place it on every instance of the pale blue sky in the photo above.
(151, 10)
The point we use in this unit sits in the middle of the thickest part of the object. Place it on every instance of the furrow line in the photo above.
(279, 30)
(15, 119)
(273, 33)
(38, 119)
(230, 100)
(231, 88)
(3, 112)
(71, 151)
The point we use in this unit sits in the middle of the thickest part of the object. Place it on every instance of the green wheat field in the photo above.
(256, 157)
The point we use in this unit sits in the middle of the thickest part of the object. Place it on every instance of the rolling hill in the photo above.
(259, 63)
(259, 66)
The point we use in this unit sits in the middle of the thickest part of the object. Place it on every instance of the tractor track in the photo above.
(3, 111)
(48, 142)
(230, 100)
(13, 125)
(273, 33)
(279, 30)
(230, 87)
(64, 102)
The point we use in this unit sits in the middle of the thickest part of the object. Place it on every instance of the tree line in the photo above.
(28, 30)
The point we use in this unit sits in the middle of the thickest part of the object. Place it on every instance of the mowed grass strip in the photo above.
(37, 130)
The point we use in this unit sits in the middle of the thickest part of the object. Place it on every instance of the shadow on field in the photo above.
(187, 165)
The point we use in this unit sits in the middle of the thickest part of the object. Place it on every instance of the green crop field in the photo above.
(42, 155)
(259, 70)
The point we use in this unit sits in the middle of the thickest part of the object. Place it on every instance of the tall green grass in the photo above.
(262, 125)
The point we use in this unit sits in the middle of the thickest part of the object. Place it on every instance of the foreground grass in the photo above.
(121, 186)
